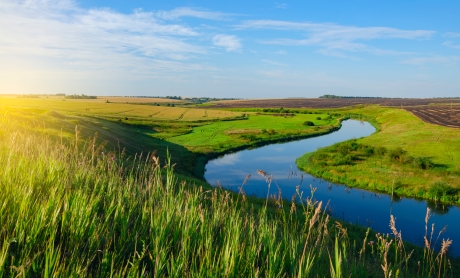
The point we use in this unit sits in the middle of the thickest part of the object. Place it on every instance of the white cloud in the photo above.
(334, 36)
(452, 35)
(281, 52)
(272, 62)
(100, 39)
(451, 44)
(229, 42)
(190, 12)
(437, 60)
(281, 5)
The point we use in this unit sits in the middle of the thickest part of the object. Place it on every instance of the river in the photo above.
(358, 206)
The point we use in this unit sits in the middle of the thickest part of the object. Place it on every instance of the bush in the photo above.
(423, 163)
(396, 154)
(343, 160)
(441, 188)
(321, 156)
(344, 149)
(318, 118)
(381, 151)
(309, 123)
(369, 151)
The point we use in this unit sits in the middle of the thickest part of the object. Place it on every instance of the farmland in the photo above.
(117, 110)
(188, 133)
(447, 115)
(326, 103)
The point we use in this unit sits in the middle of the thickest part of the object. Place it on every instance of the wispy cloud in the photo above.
(270, 62)
(334, 36)
(281, 52)
(99, 39)
(229, 42)
(452, 35)
(437, 60)
(191, 12)
(281, 5)
(451, 44)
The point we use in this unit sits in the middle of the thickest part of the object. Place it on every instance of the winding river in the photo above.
(354, 205)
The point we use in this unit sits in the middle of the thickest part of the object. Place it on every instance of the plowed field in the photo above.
(440, 115)
(325, 103)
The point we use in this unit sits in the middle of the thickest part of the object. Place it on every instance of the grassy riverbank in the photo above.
(73, 208)
(406, 156)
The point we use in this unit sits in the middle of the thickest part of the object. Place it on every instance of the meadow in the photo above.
(191, 135)
(72, 207)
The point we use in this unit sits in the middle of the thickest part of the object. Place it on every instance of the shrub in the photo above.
(381, 151)
(396, 154)
(318, 118)
(422, 162)
(441, 188)
(309, 123)
(322, 156)
(344, 149)
(343, 160)
(406, 159)
(369, 151)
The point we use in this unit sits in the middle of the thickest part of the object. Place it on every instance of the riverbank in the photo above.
(82, 212)
(406, 156)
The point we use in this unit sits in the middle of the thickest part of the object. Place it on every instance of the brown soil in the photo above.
(448, 115)
(326, 103)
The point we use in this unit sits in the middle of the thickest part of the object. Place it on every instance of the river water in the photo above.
(358, 206)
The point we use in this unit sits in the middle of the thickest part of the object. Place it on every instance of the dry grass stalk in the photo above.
(445, 246)
(385, 266)
(314, 218)
(342, 231)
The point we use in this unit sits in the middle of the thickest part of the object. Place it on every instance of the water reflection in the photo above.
(354, 205)
(229, 159)
(438, 208)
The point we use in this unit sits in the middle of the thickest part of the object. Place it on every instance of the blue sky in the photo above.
(240, 49)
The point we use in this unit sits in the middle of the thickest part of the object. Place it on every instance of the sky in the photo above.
(231, 49)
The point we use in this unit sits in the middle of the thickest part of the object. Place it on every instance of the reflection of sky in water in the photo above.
(228, 159)
(353, 205)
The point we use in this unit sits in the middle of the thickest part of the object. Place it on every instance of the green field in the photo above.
(402, 174)
(190, 134)
(71, 207)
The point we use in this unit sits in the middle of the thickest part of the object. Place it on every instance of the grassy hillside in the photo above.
(406, 155)
(74, 208)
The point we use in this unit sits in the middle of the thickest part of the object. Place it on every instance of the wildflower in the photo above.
(371, 242)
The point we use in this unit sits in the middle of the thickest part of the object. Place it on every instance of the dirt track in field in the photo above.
(326, 103)
(439, 115)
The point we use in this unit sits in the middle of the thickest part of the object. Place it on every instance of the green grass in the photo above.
(397, 129)
(74, 208)
(224, 135)
(191, 135)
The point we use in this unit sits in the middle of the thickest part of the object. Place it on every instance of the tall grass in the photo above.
(74, 209)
